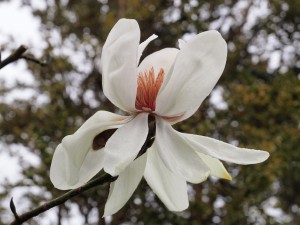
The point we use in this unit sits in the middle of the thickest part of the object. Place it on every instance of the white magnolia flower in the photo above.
(169, 85)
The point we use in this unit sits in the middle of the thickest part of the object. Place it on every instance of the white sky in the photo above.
(19, 23)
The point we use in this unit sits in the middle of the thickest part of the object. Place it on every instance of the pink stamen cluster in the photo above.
(147, 90)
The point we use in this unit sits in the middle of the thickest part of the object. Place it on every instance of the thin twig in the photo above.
(60, 200)
(13, 209)
(29, 58)
(19, 54)
(14, 56)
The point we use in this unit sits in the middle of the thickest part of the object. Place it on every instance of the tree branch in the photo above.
(19, 219)
(29, 58)
(14, 56)
(19, 54)
(13, 209)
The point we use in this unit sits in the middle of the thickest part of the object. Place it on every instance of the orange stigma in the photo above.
(147, 89)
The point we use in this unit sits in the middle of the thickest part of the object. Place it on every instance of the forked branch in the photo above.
(19, 54)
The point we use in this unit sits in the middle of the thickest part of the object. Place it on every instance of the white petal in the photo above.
(162, 59)
(74, 162)
(216, 167)
(143, 45)
(187, 114)
(171, 189)
(225, 151)
(177, 155)
(181, 43)
(119, 64)
(122, 189)
(124, 145)
(198, 67)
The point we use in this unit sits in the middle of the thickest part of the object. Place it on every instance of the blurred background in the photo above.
(255, 104)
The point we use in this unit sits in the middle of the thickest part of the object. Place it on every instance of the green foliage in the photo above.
(262, 106)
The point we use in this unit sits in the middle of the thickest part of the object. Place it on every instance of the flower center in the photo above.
(147, 89)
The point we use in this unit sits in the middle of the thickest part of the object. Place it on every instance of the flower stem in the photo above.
(150, 137)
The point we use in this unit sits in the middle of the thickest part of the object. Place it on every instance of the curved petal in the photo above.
(119, 64)
(177, 155)
(162, 59)
(198, 67)
(225, 151)
(143, 45)
(171, 189)
(122, 189)
(187, 114)
(74, 162)
(124, 145)
(181, 43)
(216, 167)
(62, 168)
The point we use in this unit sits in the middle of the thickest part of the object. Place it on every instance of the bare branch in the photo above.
(13, 209)
(60, 200)
(29, 58)
(14, 56)
(19, 54)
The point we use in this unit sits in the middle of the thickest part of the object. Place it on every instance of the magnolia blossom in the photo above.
(168, 85)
